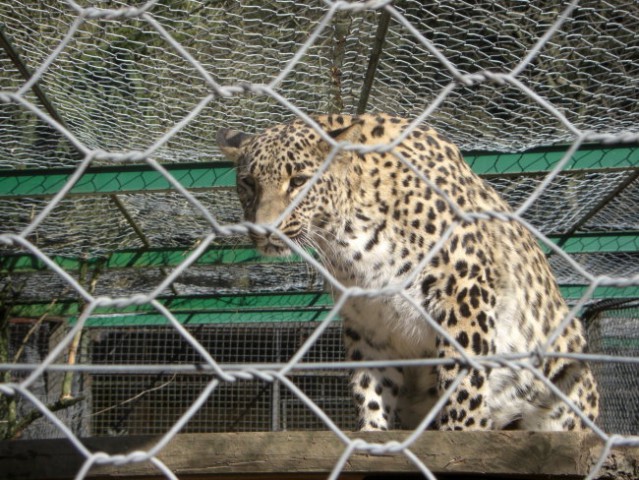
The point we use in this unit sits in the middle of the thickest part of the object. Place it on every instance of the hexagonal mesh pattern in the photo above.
(150, 404)
(131, 300)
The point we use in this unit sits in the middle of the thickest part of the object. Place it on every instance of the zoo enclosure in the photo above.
(115, 202)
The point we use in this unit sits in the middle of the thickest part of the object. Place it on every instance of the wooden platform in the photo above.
(454, 455)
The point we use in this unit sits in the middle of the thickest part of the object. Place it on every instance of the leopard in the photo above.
(435, 269)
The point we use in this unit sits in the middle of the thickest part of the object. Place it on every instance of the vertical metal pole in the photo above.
(373, 62)
(276, 396)
(13, 55)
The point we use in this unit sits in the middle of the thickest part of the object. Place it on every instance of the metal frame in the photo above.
(308, 306)
(204, 176)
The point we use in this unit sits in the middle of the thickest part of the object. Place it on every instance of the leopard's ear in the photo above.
(230, 142)
(349, 133)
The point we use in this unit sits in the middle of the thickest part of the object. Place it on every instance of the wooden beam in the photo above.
(526, 455)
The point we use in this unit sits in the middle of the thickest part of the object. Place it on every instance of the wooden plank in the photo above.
(527, 455)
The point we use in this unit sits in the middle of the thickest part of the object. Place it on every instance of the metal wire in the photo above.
(103, 67)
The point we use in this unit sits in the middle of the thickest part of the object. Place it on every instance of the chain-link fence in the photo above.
(132, 301)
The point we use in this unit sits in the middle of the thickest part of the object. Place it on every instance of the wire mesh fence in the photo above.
(611, 332)
(131, 299)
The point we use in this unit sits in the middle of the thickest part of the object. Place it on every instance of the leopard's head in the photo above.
(279, 165)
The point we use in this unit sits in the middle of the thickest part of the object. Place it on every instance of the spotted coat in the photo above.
(390, 218)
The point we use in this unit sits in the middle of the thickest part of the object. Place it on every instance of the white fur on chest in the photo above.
(392, 324)
(389, 320)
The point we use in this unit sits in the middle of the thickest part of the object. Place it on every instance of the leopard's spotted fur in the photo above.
(373, 221)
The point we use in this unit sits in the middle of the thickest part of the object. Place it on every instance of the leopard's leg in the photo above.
(576, 381)
(473, 329)
(375, 390)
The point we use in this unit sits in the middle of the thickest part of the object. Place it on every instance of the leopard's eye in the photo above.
(298, 181)
(246, 183)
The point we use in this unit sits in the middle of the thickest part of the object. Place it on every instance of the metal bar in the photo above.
(146, 244)
(143, 178)
(131, 221)
(197, 318)
(373, 62)
(256, 302)
(576, 292)
(619, 242)
(22, 68)
(146, 258)
(119, 179)
(590, 159)
(627, 242)
(597, 208)
(280, 308)
(612, 307)
(276, 394)
(14, 56)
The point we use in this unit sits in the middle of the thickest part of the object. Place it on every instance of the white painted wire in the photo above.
(280, 372)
